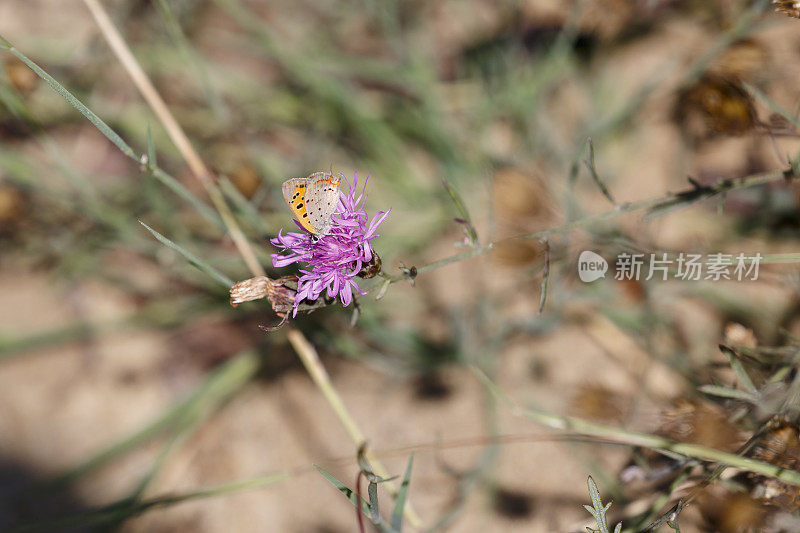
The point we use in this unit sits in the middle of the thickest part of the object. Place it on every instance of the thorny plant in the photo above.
(283, 296)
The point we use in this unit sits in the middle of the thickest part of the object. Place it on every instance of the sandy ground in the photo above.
(61, 405)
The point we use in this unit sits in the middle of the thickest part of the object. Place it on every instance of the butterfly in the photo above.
(313, 200)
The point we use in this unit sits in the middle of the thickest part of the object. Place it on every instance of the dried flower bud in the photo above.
(372, 268)
(780, 447)
(250, 289)
(282, 294)
(789, 7)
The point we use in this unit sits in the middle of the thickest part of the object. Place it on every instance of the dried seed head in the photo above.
(789, 7)
(780, 447)
(282, 294)
(250, 289)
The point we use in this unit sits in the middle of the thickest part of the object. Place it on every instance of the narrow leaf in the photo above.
(184, 193)
(593, 172)
(374, 507)
(193, 259)
(151, 150)
(348, 493)
(462, 211)
(738, 368)
(545, 277)
(725, 392)
(400, 502)
(104, 128)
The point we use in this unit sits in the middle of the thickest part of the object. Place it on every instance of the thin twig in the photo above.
(589, 162)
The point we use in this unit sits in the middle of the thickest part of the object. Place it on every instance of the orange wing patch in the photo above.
(298, 206)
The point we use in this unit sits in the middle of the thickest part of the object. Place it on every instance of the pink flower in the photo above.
(334, 260)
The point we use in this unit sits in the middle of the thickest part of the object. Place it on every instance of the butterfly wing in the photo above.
(322, 198)
(294, 192)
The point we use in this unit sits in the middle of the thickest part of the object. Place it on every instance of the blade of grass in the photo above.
(179, 189)
(463, 212)
(193, 259)
(725, 392)
(110, 134)
(738, 368)
(348, 493)
(589, 162)
(397, 512)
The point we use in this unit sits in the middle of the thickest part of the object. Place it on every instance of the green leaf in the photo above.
(598, 510)
(374, 506)
(104, 128)
(725, 392)
(178, 188)
(462, 211)
(151, 150)
(738, 368)
(193, 259)
(400, 502)
(348, 493)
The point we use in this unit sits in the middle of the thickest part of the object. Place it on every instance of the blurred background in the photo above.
(126, 375)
